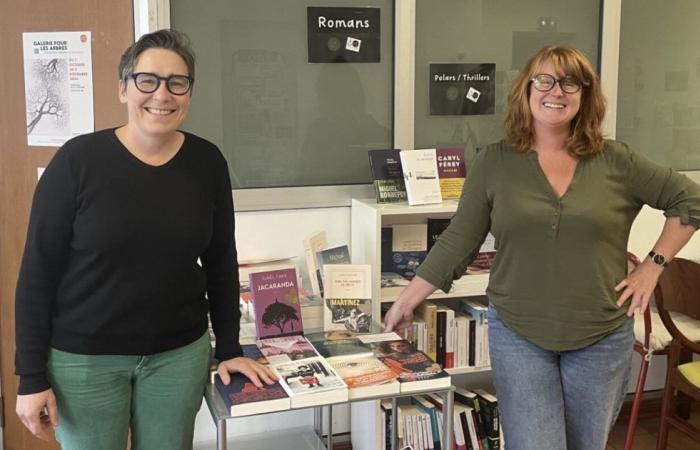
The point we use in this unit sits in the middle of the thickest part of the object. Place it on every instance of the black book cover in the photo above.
(435, 229)
(387, 175)
(441, 334)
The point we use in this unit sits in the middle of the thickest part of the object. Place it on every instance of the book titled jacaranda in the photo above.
(276, 303)
(243, 398)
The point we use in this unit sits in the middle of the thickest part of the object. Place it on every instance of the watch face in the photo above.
(659, 259)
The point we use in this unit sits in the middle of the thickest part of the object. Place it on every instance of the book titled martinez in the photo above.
(244, 398)
(276, 303)
(387, 176)
(348, 297)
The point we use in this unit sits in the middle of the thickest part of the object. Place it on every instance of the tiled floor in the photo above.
(647, 431)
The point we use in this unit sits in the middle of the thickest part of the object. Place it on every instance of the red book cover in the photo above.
(276, 303)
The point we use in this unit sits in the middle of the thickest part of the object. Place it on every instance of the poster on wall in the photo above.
(339, 35)
(57, 86)
(464, 89)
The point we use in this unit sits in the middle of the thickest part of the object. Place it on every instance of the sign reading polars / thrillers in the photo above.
(343, 34)
(462, 89)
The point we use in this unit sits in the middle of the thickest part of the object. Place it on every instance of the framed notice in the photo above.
(462, 89)
(339, 35)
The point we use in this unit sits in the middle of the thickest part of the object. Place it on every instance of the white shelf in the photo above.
(368, 218)
(302, 438)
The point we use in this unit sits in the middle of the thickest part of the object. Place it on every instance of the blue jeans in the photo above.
(101, 397)
(558, 400)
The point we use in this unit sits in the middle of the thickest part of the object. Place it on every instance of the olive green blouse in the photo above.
(558, 259)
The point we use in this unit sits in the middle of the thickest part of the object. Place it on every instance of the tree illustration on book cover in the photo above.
(276, 303)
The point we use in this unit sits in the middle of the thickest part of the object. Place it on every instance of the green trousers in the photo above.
(101, 397)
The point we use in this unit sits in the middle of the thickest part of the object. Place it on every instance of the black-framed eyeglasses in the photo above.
(148, 83)
(544, 82)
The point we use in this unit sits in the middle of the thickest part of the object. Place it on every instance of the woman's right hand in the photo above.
(38, 412)
(399, 318)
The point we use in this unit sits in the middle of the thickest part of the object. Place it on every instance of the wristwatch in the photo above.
(658, 258)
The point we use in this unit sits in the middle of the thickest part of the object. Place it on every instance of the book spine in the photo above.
(449, 338)
(472, 343)
(441, 335)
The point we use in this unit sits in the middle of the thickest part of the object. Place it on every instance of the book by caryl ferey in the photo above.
(242, 397)
(451, 171)
(407, 363)
(276, 303)
(286, 349)
(387, 176)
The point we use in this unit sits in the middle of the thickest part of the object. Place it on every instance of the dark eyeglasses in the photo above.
(150, 82)
(544, 82)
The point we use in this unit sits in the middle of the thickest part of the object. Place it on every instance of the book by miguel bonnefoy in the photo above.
(387, 176)
(276, 303)
(415, 370)
(452, 171)
(285, 349)
(334, 255)
(421, 176)
(243, 398)
(311, 381)
(347, 297)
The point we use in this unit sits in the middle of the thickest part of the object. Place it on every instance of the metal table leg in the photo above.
(318, 421)
(329, 441)
(221, 434)
(394, 424)
(448, 419)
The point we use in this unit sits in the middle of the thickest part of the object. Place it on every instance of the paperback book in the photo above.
(415, 370)
(451, 171)
(333, 255)
(276, 303)
(342, 347)
(312, 244)
(348, 297)
(310, 382)
(244, 398)
(421, 176)
(286, 349)
(387, 176)
(365, 375)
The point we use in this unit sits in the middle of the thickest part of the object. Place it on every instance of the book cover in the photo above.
(312, 244)
(435, 229)
(333, 255)
(421, 176)
(286, 349)
(348, 297)
(276, 303)
(311, 381)
(387, 175)
(452, 171)
(411, 365)
(427, 311)
(243, 398)
(409, 248)
(363, 370)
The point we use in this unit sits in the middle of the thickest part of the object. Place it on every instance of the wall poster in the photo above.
(338, 35)
(57, 86)
(462, 89)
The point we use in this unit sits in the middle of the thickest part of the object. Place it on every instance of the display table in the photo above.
(221, 415)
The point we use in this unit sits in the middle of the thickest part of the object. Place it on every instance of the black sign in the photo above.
(462, 89)
(343, 34)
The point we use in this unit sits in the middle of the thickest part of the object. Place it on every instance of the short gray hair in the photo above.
(167, 39)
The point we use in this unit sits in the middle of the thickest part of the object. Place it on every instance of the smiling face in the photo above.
(160, 113)
(555, 109)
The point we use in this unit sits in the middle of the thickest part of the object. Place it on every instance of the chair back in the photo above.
(678, 291)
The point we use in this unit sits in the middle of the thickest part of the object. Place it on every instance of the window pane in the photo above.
(279, 120)
(658, 97)
(504, 32)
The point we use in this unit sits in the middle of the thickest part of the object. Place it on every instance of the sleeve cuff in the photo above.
(685, 216)
(228, 352)
(31, 384)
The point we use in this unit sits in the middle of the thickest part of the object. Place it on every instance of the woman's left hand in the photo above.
(638, 286)
(256, 372)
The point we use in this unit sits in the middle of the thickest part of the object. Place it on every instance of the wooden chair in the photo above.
(678, 302)
(650, 341)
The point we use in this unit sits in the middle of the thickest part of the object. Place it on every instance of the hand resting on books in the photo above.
(38, 412)
(256, 372)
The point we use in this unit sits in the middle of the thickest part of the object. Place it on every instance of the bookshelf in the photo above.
(367, 219)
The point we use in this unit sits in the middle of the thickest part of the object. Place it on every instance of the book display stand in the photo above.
(221, 414)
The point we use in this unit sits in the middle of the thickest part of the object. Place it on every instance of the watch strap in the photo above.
(658, 258)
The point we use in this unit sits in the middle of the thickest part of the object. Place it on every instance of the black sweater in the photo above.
(111, 265)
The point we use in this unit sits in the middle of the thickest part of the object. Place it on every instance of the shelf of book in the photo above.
(467, 286)
(468, 370)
